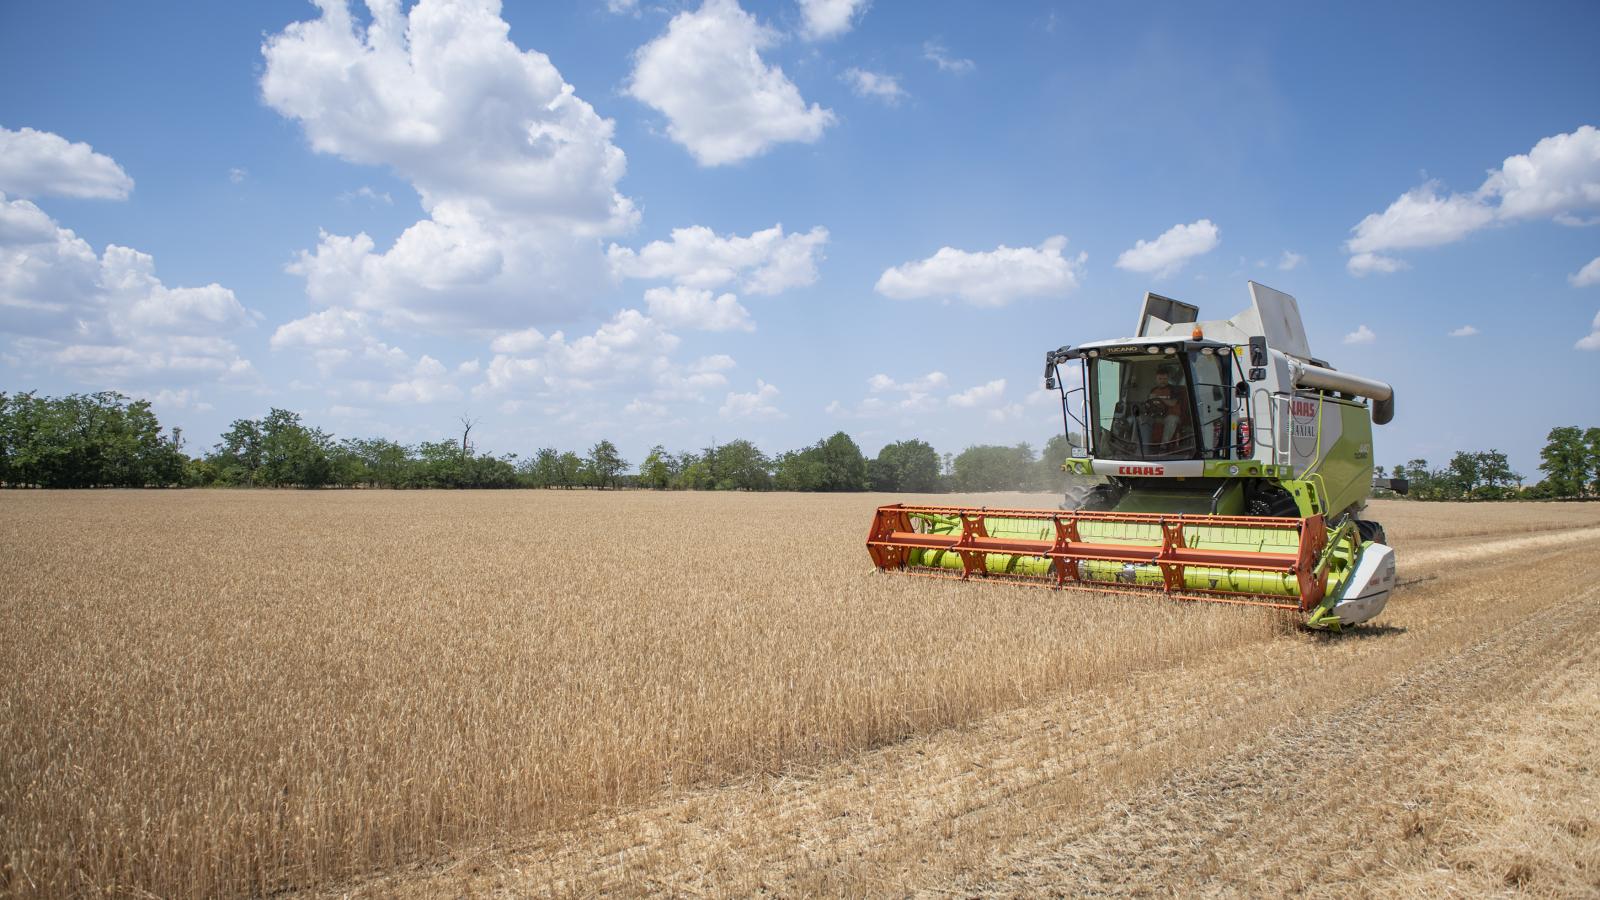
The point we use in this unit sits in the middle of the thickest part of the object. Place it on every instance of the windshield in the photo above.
(1153, 406)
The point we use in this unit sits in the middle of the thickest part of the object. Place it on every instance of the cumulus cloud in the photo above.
(1289, 261)
(428, 382)
(875, 85)
(758, 404)
(1592, 340)
(932, 381)
(1559, 179)
(765, 262)
(685, 307)
(43, 164)
(106, 317)
(1464, 331)
(1367, 263)
(723, 103)
(1168, 253)
(629, 356)
(935, 52)
(1420, 218)
(1560, 175)
(518, 175)
(988, 278)
(1589, 274)
(823, 19)
(984, 396)
(1362, 335)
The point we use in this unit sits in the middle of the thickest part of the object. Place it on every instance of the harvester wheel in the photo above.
(1272, 500)
(1371, 531)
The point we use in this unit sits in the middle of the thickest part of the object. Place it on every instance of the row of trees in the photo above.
(107, 440)
(1570, 460)
(86, 440)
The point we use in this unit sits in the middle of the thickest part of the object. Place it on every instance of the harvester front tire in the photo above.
(1371, 531)
(1274, 501)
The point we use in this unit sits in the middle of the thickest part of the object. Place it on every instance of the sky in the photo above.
(694, 222)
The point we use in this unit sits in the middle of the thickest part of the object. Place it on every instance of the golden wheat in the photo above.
(218, 693)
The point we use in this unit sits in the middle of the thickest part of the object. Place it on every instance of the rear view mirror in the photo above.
(1258, 351)
(1242, 389)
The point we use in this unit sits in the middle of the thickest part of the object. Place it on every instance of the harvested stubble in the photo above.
(217, 692)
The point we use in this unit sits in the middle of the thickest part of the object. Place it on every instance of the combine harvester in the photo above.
(1232, 467)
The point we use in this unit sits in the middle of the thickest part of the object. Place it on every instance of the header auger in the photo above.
(1218, 461)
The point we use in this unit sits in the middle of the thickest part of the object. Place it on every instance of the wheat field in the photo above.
(223, 693)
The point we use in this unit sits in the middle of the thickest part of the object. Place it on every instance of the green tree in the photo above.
(1565, 462)
(989, 467)
(85, 440)
(1464, 473)
(844, 467)
(741, 466)
(239, 455)
(605, 464)
(569, 470)
(910, 465)
(1591, 446)
(656, 470)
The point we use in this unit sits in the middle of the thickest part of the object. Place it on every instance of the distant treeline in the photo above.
(1570, 460)
(108, 440)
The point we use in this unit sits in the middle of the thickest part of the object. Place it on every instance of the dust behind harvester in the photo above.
(1217, 461)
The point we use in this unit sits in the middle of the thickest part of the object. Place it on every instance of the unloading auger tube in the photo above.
(1214, 461)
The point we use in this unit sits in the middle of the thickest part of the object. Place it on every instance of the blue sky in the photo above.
(565, 219)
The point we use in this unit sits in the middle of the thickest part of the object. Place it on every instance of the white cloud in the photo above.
(623, 7)
(42, 164)
(984, 396)
(365, 192)
(237, 175)
(915, 395)
(990, 278)
(429, 383)
(1168, 253)
(1464, 331)
(644, 409)
(1559, 178)
(1561, 174)
(935, 52)
(766, 262)
(1592, 341)
(524, 341)
(1362, 335)
(823, 19)
(758, 404)
(685, 307)
(108, 318)
(1589, 274)
(723, 103)
(1420, 218)
(1289, 261)
(932, 381)
(1368, 263)
(518, 175)
(875, 85)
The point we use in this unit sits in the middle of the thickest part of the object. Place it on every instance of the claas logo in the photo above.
(1141, 470)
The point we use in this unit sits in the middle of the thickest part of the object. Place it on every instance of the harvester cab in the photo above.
(1211, 460)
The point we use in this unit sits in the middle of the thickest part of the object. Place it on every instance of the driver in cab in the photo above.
(1164, 413)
